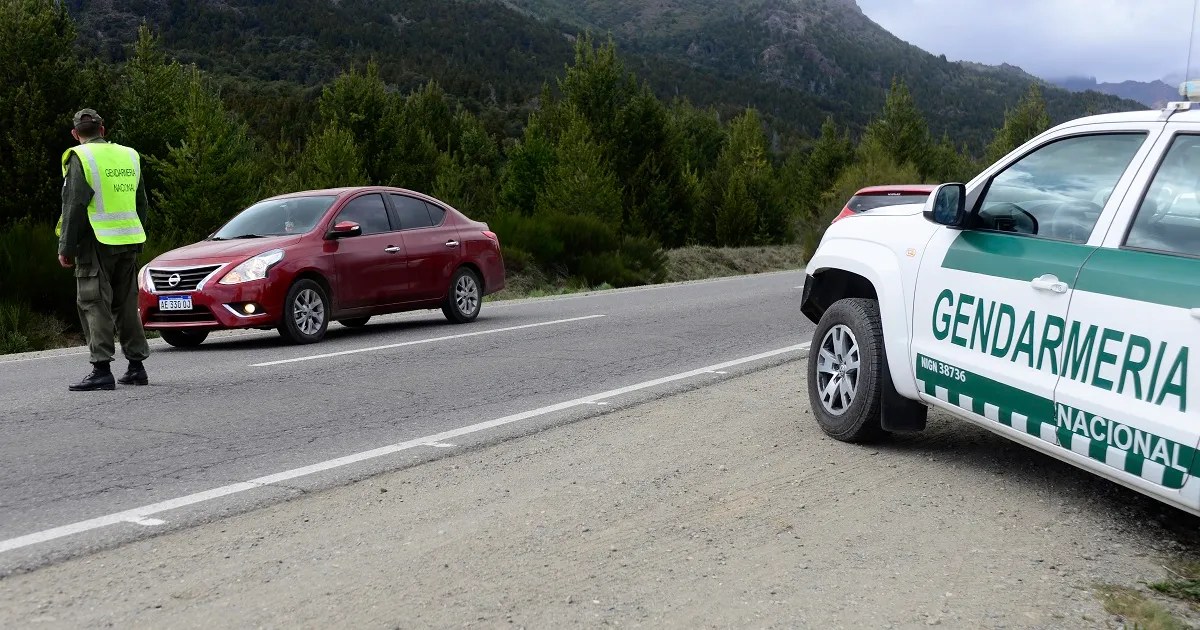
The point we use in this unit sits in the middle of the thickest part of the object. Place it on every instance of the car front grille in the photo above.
(186, 279)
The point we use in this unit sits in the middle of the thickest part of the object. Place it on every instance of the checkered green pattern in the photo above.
(1036, 416)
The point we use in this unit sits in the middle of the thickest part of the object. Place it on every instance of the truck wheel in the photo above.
(845, 371)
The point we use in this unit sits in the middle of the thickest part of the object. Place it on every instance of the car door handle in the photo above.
(451, 243)
(392, 250)
(1049, 282)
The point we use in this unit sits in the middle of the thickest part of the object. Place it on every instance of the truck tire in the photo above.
(845, 371)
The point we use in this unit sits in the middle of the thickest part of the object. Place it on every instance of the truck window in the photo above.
(1059, 190)
(1168, 219)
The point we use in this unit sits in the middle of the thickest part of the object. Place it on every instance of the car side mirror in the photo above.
(345, 229)
(948, 206)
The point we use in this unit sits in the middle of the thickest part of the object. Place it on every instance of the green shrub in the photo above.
(32, 275)
(516, 260)
(644, 260)
(23, 330)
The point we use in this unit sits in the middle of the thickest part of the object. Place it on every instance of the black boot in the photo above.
(101, 378)
(135, 375)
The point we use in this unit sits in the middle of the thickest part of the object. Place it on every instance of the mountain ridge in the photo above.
(1153, 94)
(797, 61)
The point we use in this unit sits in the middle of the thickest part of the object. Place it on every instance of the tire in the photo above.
(848, 323)
(305, 313)
(184, 338)
(354, 322)
(464, 298)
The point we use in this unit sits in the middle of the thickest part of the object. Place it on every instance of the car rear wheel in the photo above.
(465, 297)
(845, 371)
(184, 338)
(305, 313)
(354, 322)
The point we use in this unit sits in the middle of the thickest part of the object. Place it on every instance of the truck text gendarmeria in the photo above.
(1109, 359)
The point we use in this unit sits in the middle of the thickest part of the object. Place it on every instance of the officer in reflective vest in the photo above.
(101, 232)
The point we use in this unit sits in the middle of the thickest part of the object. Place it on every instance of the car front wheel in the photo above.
(465, 297)
(305, 313)
(845, 371)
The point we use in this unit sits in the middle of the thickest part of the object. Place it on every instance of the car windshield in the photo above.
(862, 203)
(276, 217)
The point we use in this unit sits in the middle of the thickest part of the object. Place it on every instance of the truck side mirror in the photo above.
(948, 206)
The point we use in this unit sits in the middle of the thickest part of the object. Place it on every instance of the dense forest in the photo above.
(588, 173)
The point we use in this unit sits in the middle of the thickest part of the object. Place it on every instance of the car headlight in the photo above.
(254, 269)
(144, 277)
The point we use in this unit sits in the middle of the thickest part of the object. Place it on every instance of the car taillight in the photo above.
(842, 215)
(491, 235)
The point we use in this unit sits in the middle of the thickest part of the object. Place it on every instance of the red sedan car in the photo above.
(879, 196)
(296, 262)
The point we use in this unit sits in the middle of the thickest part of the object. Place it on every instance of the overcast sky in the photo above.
(1112, 40)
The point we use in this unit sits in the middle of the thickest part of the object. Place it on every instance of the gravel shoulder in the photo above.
(719, 507)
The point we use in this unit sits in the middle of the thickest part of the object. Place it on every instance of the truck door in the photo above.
(1128, 394)
(991, 303)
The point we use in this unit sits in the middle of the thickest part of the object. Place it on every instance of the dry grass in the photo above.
(702, 263)
(683, 265)
(1136, 610)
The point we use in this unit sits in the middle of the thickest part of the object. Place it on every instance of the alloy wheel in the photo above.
(837, 369)
(466, 294)
(309, 312)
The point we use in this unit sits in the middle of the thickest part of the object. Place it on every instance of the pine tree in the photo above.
(331, 159)
(38, 72)
(598, 85)
(361, 104)
(528, 164)
(210, 173)
(150, 99)
(580, 183)
(746, 205)
(1021, 124)
(807, 177)
(467, 174)
(901, 130)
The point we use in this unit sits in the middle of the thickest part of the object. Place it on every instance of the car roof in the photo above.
(916, 188)
(349, 190)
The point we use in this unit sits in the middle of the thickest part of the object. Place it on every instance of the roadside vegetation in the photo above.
(604, 184)
(1169, 604)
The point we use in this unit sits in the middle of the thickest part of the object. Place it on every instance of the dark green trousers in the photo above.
(107, 296)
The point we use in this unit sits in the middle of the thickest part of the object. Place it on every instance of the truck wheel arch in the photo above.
(870, 272)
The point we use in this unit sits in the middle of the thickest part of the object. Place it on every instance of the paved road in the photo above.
(216, 417)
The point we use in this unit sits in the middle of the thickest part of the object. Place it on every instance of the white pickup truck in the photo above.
(1053, 299)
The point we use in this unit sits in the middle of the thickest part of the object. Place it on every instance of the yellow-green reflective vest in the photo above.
(113, 172)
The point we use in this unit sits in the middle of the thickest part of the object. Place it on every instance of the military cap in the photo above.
(87, 115)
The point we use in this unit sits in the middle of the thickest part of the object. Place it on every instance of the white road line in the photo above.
(424, 341)
(49, 356)
(140, 514)
(147, 522)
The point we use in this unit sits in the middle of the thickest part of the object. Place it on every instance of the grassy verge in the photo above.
(1169, 604)
(1137, 610)
(23, 330)
(683, 265)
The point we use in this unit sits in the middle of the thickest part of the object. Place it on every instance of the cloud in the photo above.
(1113, 40)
